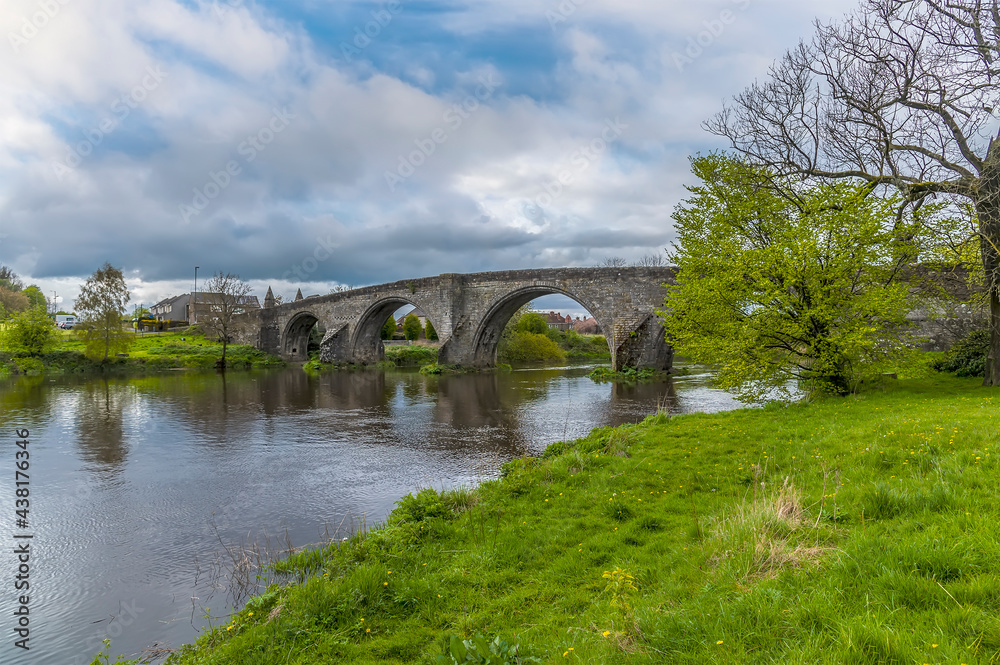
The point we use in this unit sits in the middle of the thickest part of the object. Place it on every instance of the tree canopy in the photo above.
(411, 327)
(388, 328)
(35, 297)
(902, 96)
(30, 332)
(220, 305)
(429, 332)
(775, 286)
(101, 307)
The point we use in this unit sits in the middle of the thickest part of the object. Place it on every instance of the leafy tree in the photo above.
(411, 327)
(527, 337)
(10, 280)
(101, 307)
(389, 329)
(902, 96)
(30, 332)
(35, 297)
(429, 331)
(12, 302)
(532, 322)
(780, 285)
(225, 298)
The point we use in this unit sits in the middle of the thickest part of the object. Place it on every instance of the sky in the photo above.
(316, 143)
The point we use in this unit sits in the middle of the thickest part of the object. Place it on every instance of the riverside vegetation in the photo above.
(851, 529)
(147, 353)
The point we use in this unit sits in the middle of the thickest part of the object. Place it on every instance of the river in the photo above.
(138, 485)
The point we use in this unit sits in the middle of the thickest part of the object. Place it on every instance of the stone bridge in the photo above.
(469, 312)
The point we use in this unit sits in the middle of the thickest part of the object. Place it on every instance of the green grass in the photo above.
(149, 352)
(846, 530)
(413, 355)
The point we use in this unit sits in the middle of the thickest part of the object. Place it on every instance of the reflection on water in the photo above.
(135, 481)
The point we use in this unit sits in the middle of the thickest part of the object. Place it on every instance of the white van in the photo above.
(65, 321)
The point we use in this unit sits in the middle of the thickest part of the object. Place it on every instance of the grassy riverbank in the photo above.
(848, 530)
(150, 352)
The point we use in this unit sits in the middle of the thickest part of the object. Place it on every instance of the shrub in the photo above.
(424, 505)
(411, 327)
(967, 357)
(29, 366)
(627, 375)
(30, 332)
(402, 356)
(389, 328)
(530, 347)
(429, 331)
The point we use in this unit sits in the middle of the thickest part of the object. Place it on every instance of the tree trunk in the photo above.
(988, 211)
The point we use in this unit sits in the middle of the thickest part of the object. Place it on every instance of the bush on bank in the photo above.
(968, 356)
(846, 530)
(412, 355)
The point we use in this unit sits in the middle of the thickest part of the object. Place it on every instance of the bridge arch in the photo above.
(366, 339)
(487, 335)
(295, 337)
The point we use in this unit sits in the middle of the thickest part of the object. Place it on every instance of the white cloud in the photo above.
(482, 200)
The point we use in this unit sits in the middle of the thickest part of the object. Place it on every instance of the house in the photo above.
(205, 303)
(176, 310)
(171, 310)
(587, 327)
(558, 321)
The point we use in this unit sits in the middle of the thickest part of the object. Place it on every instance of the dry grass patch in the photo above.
(762, 537)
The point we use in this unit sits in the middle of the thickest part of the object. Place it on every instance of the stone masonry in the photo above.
(469, 312)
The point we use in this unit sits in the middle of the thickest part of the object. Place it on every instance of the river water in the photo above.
(138, 485)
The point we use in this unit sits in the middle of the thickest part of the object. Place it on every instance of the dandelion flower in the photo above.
(606, 633)
(719, 642)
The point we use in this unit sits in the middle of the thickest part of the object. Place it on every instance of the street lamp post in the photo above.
(194, 296)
